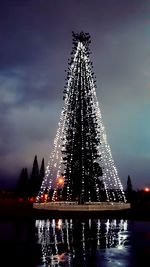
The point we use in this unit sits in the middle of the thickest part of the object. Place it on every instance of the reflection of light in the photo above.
(47, 224)
(89, 223)
(53, 223)
(122, 236)
(58, 238)
(125, 225)
(83, 237)
(98, 232)
(107, 226)
(59, 257)
(67, 232)
(121, 239)
(114, 222)
(59, 224)
(120, 247)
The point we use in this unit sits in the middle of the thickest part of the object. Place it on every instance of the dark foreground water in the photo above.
(70, 242)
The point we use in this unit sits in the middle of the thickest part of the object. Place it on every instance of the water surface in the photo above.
(74, 242)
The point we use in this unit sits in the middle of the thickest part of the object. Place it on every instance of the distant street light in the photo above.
(60, 182)
(147, 189)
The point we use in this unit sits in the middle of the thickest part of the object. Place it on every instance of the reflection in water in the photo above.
(77, 243)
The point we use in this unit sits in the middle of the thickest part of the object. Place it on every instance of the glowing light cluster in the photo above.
(80, 75)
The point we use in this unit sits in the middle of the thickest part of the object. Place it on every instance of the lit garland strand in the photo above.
(110, 175)
(73, 96)
(62, 136)
(88, 96)
(90, 78)
(87, 73)
(82, 127)
(53, 162)
(84, 86)
(79, 84)
(55, 165)
(54, 159)
(70, 99)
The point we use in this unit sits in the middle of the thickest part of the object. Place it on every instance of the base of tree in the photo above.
(74, 206)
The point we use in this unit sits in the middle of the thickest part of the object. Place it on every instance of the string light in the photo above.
(80, 93)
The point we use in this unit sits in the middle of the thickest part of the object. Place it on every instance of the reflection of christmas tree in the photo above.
(71, 242)
(81, 154)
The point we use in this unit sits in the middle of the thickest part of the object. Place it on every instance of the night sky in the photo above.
(35, 45)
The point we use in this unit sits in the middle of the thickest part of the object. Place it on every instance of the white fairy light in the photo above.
(81, 66)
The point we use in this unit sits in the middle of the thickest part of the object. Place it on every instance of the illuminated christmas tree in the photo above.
(81, 166)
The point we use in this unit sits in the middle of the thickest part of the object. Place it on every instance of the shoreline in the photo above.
(26, 211)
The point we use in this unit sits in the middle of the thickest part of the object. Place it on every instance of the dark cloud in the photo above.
(34, 49)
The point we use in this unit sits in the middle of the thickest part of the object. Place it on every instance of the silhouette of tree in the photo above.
(129, 189)
(34, 178)
(129, 184)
